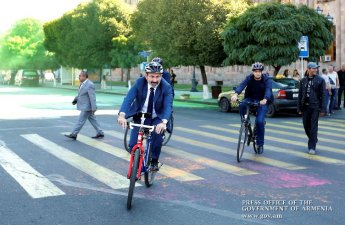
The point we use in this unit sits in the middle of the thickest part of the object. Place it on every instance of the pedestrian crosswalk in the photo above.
(34, 183)
(191, 145)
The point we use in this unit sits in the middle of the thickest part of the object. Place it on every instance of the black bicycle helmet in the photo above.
(257, 66)
(154, 67)
(157, 59)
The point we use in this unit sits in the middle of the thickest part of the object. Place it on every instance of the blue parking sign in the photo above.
(144, 53)
(303, 47)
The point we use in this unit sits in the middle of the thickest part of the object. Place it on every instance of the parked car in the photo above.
(285, 91)
(27, 77)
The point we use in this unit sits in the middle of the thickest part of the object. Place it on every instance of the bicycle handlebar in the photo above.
(256, 104)
(150, 128)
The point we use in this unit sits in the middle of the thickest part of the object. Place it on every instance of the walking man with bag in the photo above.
(86, 103)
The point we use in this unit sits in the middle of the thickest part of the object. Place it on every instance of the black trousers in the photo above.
(340, 92)
(310, 123)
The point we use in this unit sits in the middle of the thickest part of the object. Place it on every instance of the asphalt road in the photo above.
(47, 179)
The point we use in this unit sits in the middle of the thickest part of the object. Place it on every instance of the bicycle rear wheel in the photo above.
(133, 178)
(242, 139)
(126, 139)
(167, 134)
(149, 175)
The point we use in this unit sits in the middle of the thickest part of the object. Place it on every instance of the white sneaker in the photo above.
(312, 152)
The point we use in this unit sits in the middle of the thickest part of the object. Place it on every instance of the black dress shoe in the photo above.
(99, 136)
(260, 149)
(74, 137)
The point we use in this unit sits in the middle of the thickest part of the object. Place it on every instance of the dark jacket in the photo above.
(167, 76)
(266, 87)
(341, 77)
(317, 94)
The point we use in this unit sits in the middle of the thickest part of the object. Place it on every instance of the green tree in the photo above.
(183, 32)
(124, 53)
(270, 33)
(22, 47)
(83, 37)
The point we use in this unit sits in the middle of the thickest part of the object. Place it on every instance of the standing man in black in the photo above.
(341, 77)
(311, 103)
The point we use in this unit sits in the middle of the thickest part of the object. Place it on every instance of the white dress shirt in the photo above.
(144, 109)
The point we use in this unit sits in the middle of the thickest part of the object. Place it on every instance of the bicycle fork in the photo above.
(137, 147)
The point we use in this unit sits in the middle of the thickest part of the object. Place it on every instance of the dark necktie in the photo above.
(150, 105)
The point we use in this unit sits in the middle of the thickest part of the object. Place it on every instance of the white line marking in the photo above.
(34, 183)
(102, 174)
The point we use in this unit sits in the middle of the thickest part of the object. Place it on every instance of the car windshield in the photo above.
(30, 73)
(285, 83)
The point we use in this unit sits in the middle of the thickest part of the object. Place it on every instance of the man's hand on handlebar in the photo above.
(234, 97)
(122, 121)
(263, 101)
(161, 127)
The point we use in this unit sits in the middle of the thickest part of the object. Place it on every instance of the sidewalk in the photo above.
(194, 97)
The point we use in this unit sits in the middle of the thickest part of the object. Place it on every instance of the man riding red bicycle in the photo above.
(258, 89)
(152, 95)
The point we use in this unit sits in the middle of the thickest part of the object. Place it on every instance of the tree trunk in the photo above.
(122, 75)
(128, 76)
(276, 70)
(206, 94)
(203, 74)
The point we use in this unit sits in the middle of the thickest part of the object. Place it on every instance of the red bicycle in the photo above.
(140, 159)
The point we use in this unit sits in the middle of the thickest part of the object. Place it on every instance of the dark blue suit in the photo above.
(162, 103)
(167, 76)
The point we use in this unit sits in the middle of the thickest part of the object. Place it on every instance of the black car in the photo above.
(285, 91)
(27, 77)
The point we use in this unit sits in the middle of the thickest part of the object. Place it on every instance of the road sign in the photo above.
(144, 53)
(303, 47)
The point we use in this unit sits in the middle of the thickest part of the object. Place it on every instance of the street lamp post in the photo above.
(318, 10)
(329, 18)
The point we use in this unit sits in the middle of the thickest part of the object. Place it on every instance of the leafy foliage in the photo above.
(270, 33)
(183, 32)
(22, 47)
(83, 37)
(124, 52)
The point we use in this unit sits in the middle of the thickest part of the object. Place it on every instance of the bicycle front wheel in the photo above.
(133, 178)
(126, 139)
(168, 133)
(255, 146)
(242, 139)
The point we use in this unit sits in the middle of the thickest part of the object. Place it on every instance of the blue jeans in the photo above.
(157, 139)
(260, 118)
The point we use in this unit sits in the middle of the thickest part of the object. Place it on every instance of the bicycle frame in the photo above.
(144, 155)
(247, 133)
